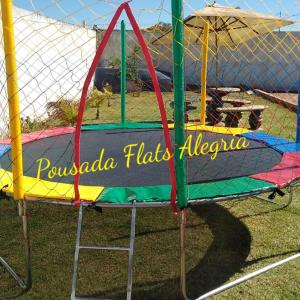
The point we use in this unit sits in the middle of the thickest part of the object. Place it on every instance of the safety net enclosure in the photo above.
(127, 104)
(52, 76)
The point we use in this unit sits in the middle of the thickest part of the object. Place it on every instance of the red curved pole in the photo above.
(84, 96)
(126, 7)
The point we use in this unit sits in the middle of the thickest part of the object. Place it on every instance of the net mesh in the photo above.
(253, 61)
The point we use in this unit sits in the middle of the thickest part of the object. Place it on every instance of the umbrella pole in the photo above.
(217, 65)
(217, 55)
(204, 74)
(298, 114)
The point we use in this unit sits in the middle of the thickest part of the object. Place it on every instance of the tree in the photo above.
(115, 63)
(132, 64)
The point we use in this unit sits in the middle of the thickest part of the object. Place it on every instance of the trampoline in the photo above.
(267, 163)
(131, 164)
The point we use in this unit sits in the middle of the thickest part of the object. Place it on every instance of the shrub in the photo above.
(96, 98)
(28, 125)
(64, 110)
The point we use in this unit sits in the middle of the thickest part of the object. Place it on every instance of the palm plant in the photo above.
(63, 110)
(97, 97)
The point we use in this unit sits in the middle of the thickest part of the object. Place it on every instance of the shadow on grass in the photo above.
(261, 213)
(225, 257)
(150, 232)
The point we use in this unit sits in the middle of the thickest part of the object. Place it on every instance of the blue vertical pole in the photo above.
(298, 113)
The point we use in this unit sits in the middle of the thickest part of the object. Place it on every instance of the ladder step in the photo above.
(89, 298)
(95, 247)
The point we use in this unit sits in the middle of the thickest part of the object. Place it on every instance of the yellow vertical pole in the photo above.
(204, 73)
(13, 98)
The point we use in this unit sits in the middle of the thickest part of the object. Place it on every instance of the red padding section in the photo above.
(37, 135)
(287, 171)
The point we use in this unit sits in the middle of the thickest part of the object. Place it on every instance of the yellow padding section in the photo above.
(51, 190)
(215, 129)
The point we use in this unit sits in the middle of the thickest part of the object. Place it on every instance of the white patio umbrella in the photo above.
(229, 27)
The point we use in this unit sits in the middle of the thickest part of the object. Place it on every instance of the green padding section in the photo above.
(161, 193)
(128, 125)
(139, 194)
(236, 186)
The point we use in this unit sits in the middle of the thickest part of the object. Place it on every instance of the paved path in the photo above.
(288, 100)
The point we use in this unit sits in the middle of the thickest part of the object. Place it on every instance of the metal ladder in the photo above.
(78, 246)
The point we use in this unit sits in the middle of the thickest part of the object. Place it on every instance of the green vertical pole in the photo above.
(123, 72)
(178, 78)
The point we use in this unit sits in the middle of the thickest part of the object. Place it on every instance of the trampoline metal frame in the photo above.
(26, 283)
(239, 280)
(15, 134)
(130, 249)
(290, 191)
(248, 277)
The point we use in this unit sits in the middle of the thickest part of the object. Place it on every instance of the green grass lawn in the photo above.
(223, 242)
(276, 119)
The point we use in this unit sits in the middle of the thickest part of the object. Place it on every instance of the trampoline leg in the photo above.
(27, 283)
(11, 271)
(182, 254)
(248, 277)
(291, 194)
(77, 249)
(229, 285)
(265, 200)
(23, 214)
(131, 252)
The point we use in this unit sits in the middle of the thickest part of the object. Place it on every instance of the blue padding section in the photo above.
(292, 147)
(280, 144)
(4, 149)
(266, 138)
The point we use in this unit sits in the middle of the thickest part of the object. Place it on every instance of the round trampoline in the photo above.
(139, 172)
(139, 164)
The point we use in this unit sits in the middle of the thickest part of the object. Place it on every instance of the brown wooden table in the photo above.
(233, 102)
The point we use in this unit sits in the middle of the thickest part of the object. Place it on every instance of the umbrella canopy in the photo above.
(228, 26)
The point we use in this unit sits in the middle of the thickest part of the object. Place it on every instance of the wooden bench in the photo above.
(213, 115)
(234, 115)
(233, 102)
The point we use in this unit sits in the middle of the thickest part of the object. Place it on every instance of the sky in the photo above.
(149, 12)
